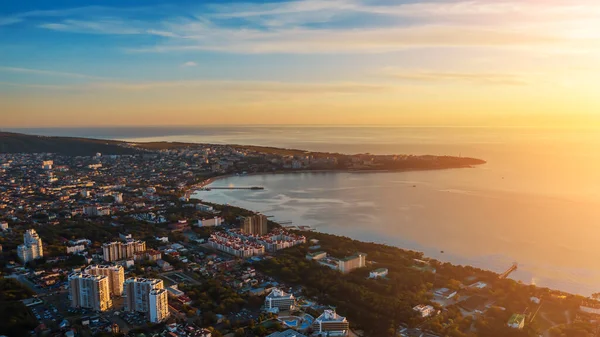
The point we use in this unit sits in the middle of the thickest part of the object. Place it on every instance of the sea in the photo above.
(535, 202)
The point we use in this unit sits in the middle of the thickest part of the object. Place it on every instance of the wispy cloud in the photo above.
(477, 78)
(50, 73)
(254, 87)
(337, 26)
(308, 41)
(190, 64)
(103, 26)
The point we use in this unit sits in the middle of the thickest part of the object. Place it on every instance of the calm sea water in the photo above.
(536, 201)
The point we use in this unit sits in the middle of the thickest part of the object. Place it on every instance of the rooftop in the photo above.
(286, 333)
(353, 256)
(278, 293)
(330, 316)
(516, 319)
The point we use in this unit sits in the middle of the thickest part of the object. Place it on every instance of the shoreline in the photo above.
(427, 251)
(194, 188)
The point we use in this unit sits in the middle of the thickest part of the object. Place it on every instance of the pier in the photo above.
(232, 188)
(509, 271)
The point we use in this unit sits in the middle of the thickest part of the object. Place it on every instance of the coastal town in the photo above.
(120, 244)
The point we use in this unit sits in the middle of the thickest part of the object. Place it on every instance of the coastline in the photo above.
(307, 230)
(194, 188)
(532, 271)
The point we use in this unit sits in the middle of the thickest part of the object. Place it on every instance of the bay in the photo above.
(536, 201)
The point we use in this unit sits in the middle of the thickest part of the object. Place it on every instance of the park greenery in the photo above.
(380, 307)
(15, 318)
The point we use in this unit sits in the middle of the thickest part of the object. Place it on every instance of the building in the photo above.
(75, 249)
(95, 210)
(445, 293)
(179, 226)
(89, 291)
(280, 239)
(316, 256)
(424, 310)
(287, 333)
(352, 262)
(118, 197)
(235, 245)
(115, 251)
(255, 225)
(377, 273)
(517, 321)
(331, 324)
(278, 300)
(138, 297)
(204, 208)
(154, 255)
(115, 275)
(159, 305)
(32, 248)
(210, 222)
(47, 164)
(164, 265)
(150, 255)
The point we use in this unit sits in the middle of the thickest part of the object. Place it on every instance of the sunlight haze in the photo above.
(498, 63)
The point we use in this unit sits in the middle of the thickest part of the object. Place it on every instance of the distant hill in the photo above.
(66, 146)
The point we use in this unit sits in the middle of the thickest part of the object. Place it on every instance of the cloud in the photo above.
(190, 64)
(250, 86)
(478, 78)
(307, 41)
(49, 73)
(253, 87)
(103, 26)
(9, 21)
(337, 26)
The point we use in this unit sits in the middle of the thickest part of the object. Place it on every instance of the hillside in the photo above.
(67, 146)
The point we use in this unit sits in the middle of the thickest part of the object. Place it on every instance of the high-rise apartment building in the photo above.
(144, 295)
(255, 225)
(115, 251)
(31, 249)
(89, 291)
(159, 305)
(115, 274)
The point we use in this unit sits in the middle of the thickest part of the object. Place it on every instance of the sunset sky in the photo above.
(441, 62)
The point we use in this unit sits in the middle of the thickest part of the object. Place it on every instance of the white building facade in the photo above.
(115, 275)
(89, 291)
(32, 248)
(159, 305)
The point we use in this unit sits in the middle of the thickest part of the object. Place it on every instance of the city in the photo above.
(115, 244)
(299, 168)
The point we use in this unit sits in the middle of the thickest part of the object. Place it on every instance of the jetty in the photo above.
(509, 270)
(231, 188)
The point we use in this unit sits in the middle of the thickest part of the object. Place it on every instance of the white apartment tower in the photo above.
(159, 305)
(143, 295)
(89, 291)
(115, 275)
(31, 249)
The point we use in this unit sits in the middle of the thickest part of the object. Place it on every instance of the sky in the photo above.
(384, 62)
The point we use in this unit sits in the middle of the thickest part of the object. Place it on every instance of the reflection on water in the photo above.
(552, 239)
